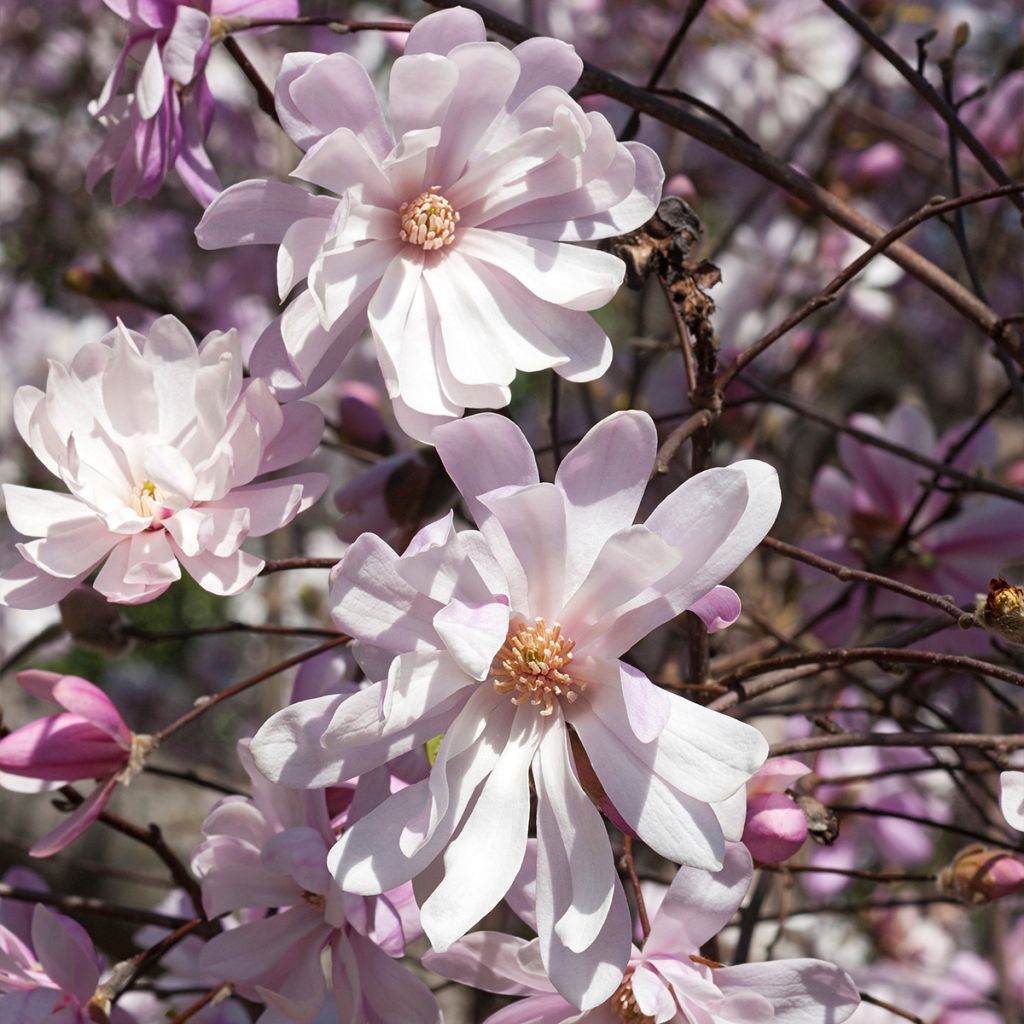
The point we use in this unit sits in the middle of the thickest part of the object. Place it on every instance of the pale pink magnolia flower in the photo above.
(1011, 798)
(159, 443)
(776, 826)
(89, 740)
(163, 123)
(270, 853)
(502, 638)
(52, 975)
(449, 236)
(667, 980)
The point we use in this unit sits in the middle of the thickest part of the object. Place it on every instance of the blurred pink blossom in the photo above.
(88, 741)
(452, 222)
(159, 443)
(502, 639)
(163, 123)
(668, 979)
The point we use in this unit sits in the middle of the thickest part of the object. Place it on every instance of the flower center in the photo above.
(428, 220)
(147, 497)
(624, 1004)
(315, 900)
(530, 666)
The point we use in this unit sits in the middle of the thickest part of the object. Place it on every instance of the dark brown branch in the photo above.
(281, 564)
(264, 94)
(979, 741)
(90, 905)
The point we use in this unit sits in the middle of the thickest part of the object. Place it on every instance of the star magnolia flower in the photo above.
(1011, 800)
(503, 639)
(668, 980)
(52, 975)
(452, 221)
(88, 741)
(271, 852)
(158, 442)
(165, 121)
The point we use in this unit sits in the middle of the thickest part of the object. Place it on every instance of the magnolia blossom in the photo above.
(89, 740)
(164, 122)
(668, 979)
(270, 852)
(508, 640)
(51, 975)
(872, 496)
(1011, 789)
(776, 826)
(446, 228)
(158, 443)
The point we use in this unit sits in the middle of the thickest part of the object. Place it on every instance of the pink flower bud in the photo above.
(980, 875)
(776, 828)
(359, 413)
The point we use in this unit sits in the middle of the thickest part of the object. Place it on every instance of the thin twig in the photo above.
(90, 905)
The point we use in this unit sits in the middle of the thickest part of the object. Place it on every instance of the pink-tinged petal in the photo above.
(1011, 798)
(367, 859)
(223, 576)
(299, 249)
(340, 276)
(70, 550)
(298, 438)
(187, 40)
(301, 854)
(482, 453)
(151, 85)
(648, 707)
(60, 748)
(567, 275)
(80, 697)
(703, 753)
(603, 479)
(532, 521)
(391, 992)
(287, 746)
(653, 994)
(317, 94)
(671, 822)
(66, 953)
(491, 961)
(372, 602)
(699, 905)
(777, 774)
(541, 1010)
(76, 822)
(22, 585)
(567, 819)
(233, 878)
(274, 503)
(718, 608)
(473, 634)
(442, 31)
(151, 561)
(420, 90)
(35, 512)
(494, 834)
(801, 991)
(544, 61)
(259, 213)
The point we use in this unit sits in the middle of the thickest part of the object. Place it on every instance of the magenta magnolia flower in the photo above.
(668, 980)
(89, 740)
(776, 826)
(452, 220)
(503, 638)
(159, 443)
(164, 122)
(1011, 790)
(270, 853)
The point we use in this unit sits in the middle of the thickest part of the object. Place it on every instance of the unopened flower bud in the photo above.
(776, 828)
(980, 875)
(1002, 611)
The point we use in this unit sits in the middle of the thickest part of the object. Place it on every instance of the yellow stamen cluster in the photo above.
(146, 497)
(428, 220)
(530, 666)
(624, 1004)
(315, 900)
